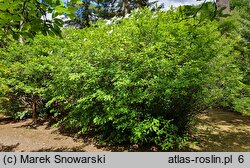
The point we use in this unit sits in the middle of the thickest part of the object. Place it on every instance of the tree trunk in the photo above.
(34, 110)
(86, 15)
(223, 3)
(21, 39)
(141, 3)
(125, 7)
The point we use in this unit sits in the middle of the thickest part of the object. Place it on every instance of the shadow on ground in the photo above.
(222, 131)
(74, 149)
(6, 120)
(8, 148)
(217, 131)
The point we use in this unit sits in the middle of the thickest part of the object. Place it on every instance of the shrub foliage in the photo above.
(139, 80)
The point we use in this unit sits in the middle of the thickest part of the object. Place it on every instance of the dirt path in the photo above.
(223, 131)
(217, 131)
(19, 136)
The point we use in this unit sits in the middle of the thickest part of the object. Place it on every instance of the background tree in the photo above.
(241, 11)
(87, 11)
(241, 17)
(21, 19)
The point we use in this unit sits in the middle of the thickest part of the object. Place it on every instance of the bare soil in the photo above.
(23, 137)
(216, 131)
(222, 131)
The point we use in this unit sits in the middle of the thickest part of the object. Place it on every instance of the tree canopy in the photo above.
(26, 18)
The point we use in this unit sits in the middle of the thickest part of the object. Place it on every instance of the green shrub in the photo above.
(242, 105)
(143, 79)
(138, 80)
(21, 115)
